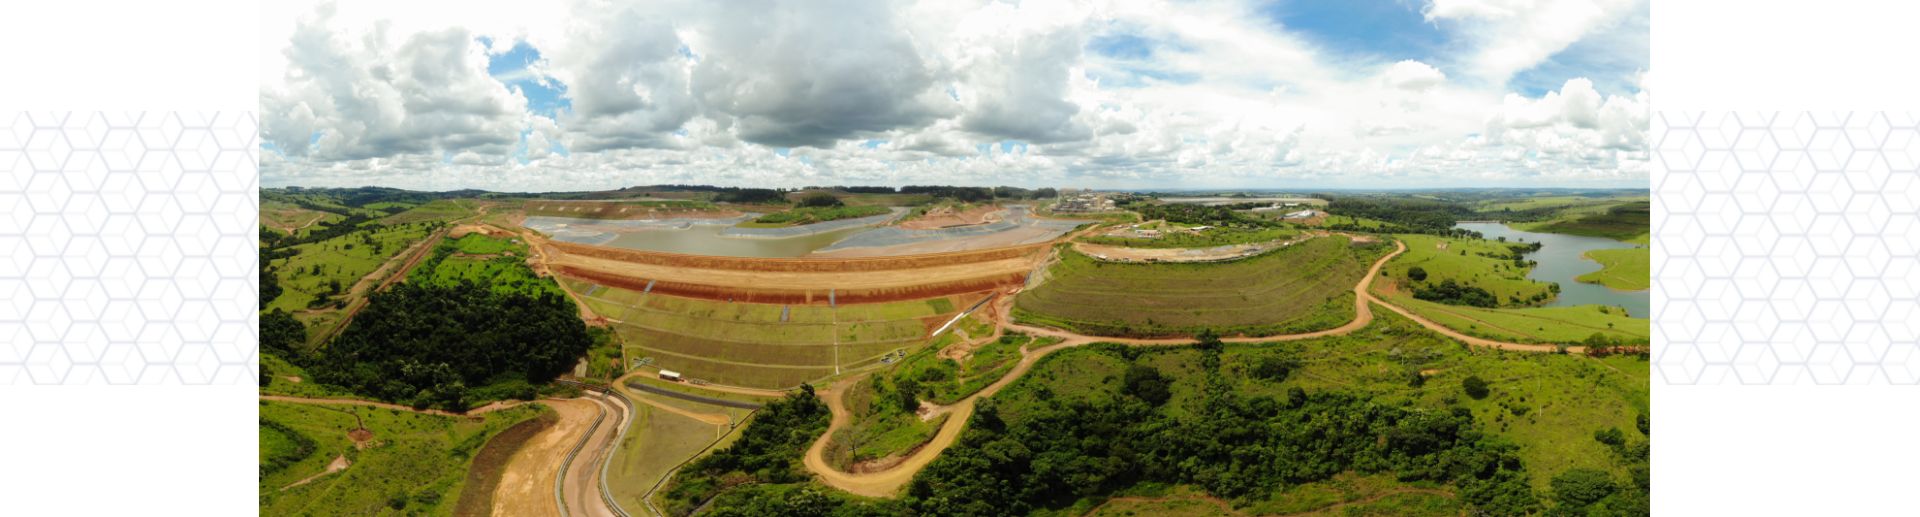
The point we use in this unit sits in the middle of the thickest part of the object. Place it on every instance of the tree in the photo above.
(1417, 273)
(1147, 384)
(1475, 387)
(1581, 487)
(906, 393)
(1272, 368)
(820, 199)
(1642, 424)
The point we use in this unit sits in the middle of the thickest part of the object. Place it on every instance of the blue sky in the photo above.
(1380, 30)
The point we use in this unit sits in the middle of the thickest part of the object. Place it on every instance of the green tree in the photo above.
(1417, 273)
(1475, 387)
(1580, 487)
(1147, 384)
(820, 199)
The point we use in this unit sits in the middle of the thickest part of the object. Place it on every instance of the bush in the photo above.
(1147, 384)
(820, 200)
(1579, 488)
(1417, 273)
(1475, 387)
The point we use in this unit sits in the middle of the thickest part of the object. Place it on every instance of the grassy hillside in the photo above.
(1624, 269)
(762, 345)
(411, 464)
(1304, 287)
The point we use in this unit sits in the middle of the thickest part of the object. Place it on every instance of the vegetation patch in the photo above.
(416, 463)
(1304, 287)
(1625, 269)
(1196, 239)
(454, 347)
(1624, 222)
(768, 452)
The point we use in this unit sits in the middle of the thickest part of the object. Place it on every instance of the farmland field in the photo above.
(1628, 222)
(412, 464)
(1299, 288)
(1624, 269)
(762, 345)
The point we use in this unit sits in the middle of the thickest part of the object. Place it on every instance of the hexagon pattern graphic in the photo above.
(128, 248)
(1785, 247)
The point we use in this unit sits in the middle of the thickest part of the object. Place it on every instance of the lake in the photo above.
(1559, 260)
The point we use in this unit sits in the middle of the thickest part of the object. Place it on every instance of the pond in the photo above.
(1559, 260)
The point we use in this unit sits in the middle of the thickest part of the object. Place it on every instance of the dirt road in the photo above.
(579, 484)
(526, 485)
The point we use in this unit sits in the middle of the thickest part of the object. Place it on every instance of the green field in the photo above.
(1202, 239)
(1629, 222)
(1471, 262)
(413, 464)
(1566, 325)
(439, 210)
(762, 345)
(1624, 269)
(1304, 287)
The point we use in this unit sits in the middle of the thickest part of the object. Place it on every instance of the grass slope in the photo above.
(1624, 269)
(1302, 287)
(414, 463)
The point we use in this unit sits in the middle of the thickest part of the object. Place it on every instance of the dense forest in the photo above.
(1060, 450)
(768, 451)
(1420, 215)
(447, 346)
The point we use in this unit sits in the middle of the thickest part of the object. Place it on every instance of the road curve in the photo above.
(887, 483)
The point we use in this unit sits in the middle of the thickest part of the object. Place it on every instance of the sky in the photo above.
(587, 95)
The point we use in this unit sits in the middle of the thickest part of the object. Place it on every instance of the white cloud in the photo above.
(924, 91)
(1413, 75)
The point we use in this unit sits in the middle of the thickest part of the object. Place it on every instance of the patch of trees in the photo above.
(1244, 448)
(768, 451)
(1587, 491)
(821, 200)
(269, 283)
(443, 346)
(1452, 293)
(1417, 214)
(966, 194)
(1184, 213)
(282, 335)
(747, 195)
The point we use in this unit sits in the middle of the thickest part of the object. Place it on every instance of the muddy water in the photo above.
(707, 240)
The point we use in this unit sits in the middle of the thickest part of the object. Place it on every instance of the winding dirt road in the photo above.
(888, 482)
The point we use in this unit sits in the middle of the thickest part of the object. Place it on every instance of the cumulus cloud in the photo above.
(1413, 75)
(356, 94)
(807, 74)
(918, 91)
(626, 78)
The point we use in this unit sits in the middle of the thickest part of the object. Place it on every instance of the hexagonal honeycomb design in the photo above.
(128, 248)
(1785, 248)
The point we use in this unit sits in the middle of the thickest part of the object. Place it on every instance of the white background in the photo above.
(1720, 449)
(129, 450)
(1732, 449)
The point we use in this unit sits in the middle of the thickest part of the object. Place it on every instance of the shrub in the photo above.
(1475, 387)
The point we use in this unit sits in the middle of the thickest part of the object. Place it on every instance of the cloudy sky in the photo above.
(528, 96)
